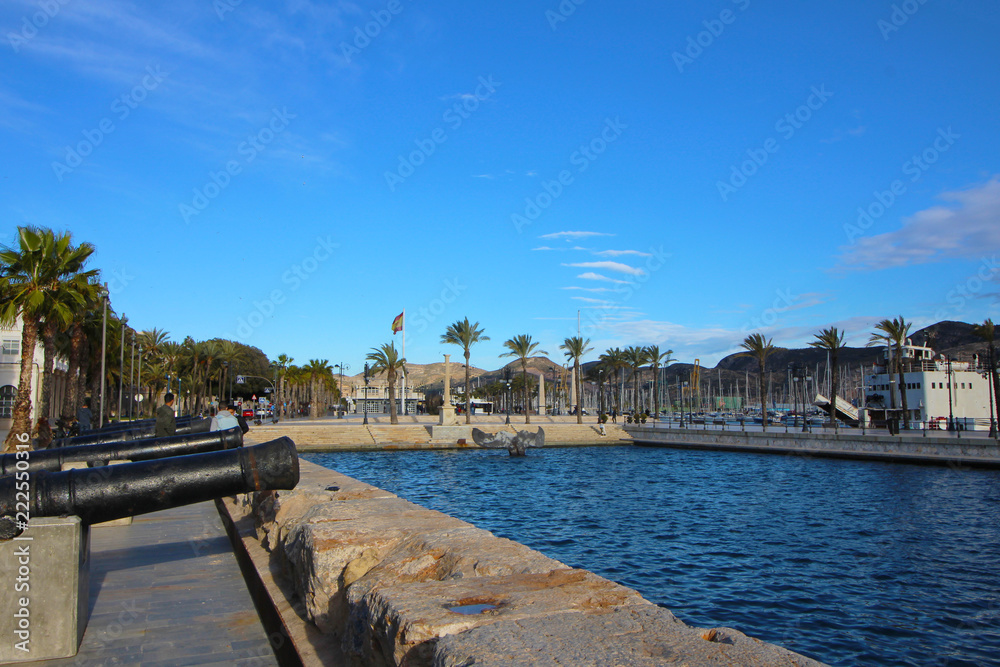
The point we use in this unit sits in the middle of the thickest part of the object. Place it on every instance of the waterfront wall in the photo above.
(380, 581)
(916, 448)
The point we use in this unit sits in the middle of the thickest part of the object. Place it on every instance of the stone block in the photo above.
(47, 569)
(451, 433)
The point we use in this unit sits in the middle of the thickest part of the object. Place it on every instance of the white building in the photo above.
(10, 373)
(376, 399)
(939, 391)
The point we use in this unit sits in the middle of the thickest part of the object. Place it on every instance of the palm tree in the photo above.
(522, 347)
(635, 357)
(656, 359)
(465, 335)
(596, 374)
(759, 348)
(987, 332)
(34, 278)
(893, 336)
(318, 369)
(284, 362)
(575, 348)
(386, 359)
(831, 340)
(614, 360)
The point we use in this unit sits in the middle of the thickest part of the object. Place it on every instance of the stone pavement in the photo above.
(167, 591)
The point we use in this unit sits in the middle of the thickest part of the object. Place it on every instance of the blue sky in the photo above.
(294, 174)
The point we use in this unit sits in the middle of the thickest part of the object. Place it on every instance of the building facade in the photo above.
(10, 373)
(376, 399)
(940, 392)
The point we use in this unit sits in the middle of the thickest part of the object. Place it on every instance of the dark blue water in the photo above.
(852, 563)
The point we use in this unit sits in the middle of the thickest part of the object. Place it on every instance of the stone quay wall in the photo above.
(848, 443)
(360, 576)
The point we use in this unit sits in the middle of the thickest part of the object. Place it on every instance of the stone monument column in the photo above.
(541, 393)
(446, 416)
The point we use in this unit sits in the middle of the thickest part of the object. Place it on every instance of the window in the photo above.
(963, 385)
(12, 347)
(7, 395)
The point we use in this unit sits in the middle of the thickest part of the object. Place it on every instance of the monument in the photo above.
(446, 416)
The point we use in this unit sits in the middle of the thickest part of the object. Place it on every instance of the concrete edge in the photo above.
(295, 641)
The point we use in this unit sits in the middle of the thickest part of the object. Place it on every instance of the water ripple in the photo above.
(853, 563)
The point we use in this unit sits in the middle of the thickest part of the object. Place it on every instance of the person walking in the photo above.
(166, 420)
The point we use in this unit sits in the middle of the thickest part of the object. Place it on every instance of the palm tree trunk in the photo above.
(527, 393)
(833, 387)
(21, 412)
(763, 398)
(902, 391)
(48, 365)
(468, 394)
(656, 392)
(71, 402)
(393, 419)
(579, 390)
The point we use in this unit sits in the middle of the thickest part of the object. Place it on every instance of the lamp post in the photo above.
(104, 354)
(139, 383)
(506, 377)
(131, 381)
(340, 387)
(121, 365)
(367, 371)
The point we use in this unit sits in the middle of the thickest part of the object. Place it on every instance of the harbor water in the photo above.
(849, 562)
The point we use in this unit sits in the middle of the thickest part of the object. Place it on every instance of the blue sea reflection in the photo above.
(853, 563)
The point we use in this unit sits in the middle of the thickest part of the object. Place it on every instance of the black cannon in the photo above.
(196, 425)
(142, 449)
(128, 489)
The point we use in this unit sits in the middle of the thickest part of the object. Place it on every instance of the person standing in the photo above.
(84, 416)
(166, 420)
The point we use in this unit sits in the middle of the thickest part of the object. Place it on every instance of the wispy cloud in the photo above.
(590, 275)
(610, 266)
(589, 289)
(573, 235)
(489, 176)
(621, 253)
(965, 229)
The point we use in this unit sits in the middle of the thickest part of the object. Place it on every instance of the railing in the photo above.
(961, 427)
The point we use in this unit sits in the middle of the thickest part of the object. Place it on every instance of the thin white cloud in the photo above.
(573, 235)
(620, 253)
(599, 302)
(610, 266)
(590, 275)
(589, 289)
(489, 176)
(966, 229)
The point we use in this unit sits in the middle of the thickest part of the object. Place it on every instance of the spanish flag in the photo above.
(397, 324)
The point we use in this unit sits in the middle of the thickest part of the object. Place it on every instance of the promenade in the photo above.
(167, 591)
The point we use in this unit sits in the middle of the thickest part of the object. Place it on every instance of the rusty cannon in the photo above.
(142, 449)
(128, 489)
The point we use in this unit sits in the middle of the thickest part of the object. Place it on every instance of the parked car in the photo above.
(248, 414)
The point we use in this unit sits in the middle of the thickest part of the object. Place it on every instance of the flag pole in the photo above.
(404, 367)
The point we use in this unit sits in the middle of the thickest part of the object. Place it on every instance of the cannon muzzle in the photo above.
(128, 489)
(143, 449)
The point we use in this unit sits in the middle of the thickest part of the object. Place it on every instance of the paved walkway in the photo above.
(167, 591)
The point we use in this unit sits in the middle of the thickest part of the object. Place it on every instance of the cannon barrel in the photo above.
(129, 489)
(142, 449)
(199, 425)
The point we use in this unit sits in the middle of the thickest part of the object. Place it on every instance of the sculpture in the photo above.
(516, 444)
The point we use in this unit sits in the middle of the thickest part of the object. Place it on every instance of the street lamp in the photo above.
(340, 388)
(104, 353)
(506, 376)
